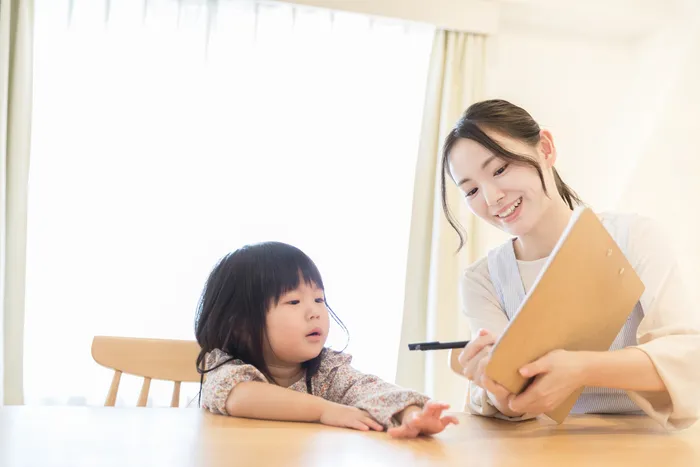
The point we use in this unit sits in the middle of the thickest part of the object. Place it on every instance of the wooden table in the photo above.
(92, 437)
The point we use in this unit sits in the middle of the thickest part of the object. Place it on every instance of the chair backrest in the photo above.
(164, 359)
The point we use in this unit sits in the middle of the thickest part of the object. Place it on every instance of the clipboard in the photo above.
(579, 301)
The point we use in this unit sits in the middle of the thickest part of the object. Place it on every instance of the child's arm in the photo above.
(384, 401)
(241, 390)
(269, 402)
(389, 404)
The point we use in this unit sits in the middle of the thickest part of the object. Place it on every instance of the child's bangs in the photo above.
(290, 271)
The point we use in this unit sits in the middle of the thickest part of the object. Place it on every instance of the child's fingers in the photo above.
(434, 409)
(447, 420)
(372, 424)
(358, 425)
(437, 404)
(429, 408)
(434, 412)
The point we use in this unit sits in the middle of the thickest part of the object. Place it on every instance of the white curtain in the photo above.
(432, 303)
(168, 133)
(15, 123)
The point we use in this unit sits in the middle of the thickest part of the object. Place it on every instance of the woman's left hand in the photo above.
(428, 421)
(557, 375)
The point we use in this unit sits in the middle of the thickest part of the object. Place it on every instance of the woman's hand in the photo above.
(344, 416)
(557, 375)
(428, 421)
(474, 358)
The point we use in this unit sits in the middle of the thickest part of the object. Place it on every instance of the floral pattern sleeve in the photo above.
(348, 386)
(219, 382)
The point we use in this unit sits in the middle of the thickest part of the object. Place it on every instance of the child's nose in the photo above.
(313, 313)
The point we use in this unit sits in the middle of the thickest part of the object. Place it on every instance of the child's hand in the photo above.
(344, 416)
(423, 422)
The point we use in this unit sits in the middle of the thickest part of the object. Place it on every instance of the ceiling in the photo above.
(605, 19)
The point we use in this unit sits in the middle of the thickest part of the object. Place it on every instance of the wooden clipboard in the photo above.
(580, 301)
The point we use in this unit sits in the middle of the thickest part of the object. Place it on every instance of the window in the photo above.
(166, 134)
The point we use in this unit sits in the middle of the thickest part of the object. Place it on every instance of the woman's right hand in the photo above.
(474, 358)
(344, 416)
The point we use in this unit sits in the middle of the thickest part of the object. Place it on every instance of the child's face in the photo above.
(505, 195)
(297, 327)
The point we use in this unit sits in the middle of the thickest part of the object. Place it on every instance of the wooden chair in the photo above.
(169, 360)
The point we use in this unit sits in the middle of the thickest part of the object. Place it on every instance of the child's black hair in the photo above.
(237, 295)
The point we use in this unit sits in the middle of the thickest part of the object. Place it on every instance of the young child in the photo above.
(262, 324)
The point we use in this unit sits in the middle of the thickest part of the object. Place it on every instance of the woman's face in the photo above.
(504, 194)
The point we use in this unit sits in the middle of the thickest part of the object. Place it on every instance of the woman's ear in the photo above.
(549, 151)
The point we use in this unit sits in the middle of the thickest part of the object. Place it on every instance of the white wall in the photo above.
(624, 113)
(664, 183)
(601, 96)
(573, 86)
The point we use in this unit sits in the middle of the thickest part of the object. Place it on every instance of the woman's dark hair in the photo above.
(510, 120)
(237, 295)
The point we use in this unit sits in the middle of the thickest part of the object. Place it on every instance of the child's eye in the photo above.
(471, 192)
(293, 302)
(320, 300)
(501, 170)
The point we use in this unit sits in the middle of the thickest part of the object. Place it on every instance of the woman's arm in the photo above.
(483, 311)
(669, 334)
(629, 369)
(561, 372)
(660, 373)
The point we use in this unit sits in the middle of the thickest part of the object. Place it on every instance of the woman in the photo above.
(504, 164)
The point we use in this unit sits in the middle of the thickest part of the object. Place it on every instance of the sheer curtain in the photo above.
(167, 133)
(432, 311)
(15, 121)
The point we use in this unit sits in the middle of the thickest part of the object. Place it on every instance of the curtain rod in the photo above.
(474, 16)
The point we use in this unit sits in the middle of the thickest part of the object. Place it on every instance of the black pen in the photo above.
(437, 345)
